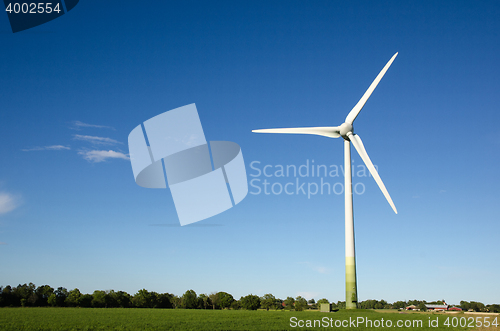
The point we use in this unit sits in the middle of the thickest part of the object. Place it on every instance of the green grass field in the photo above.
(16, 319)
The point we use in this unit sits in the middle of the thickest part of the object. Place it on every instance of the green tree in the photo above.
(268, 301)
(250, 302)
(339, 305)
(110, 299)
(214, 299)
(26, 292)
(204, 301)
(120, 299)
(61, 295)
(52, 300)
(86, 300)
(145, 299)
(189, 300)
(399, 304)
(289, 302)
(225, 299)
(176, 301)
(154, 299)
(99, 299)
(278, 304)
(235, 305)
(477, 306)
(495, 308)
(368, 304)
(7, 297)
(73, 299)
(165, 300)
(422, 306)
(43, 293)
(300, 303)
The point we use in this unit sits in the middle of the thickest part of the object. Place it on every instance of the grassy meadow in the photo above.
(17, 319)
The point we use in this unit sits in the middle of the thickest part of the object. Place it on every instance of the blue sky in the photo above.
(71, 214)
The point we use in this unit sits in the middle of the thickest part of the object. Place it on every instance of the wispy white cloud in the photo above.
(77, 125)
(321, 270)
(1, 243)
(46, 148)
(96, 140)
(8, 202)
(317, 268)
(100, 156)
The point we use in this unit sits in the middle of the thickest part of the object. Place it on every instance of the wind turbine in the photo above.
(345, 130)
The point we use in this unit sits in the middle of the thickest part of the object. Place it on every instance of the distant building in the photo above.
(326, 307)
(434, 307)
(437, 307)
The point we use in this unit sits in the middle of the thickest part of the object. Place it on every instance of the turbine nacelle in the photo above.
(344, 130)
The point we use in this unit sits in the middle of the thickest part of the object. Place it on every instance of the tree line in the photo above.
(420, 304)
(28, 295)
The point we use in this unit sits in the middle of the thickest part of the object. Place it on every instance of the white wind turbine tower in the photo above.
(346, 131)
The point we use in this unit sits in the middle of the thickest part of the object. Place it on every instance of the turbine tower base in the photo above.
(351, 293)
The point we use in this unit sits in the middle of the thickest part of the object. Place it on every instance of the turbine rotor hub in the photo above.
(345, 128)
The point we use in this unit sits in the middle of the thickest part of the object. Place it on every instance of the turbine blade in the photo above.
(355, 111)
(326, 131)
(358, 144)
